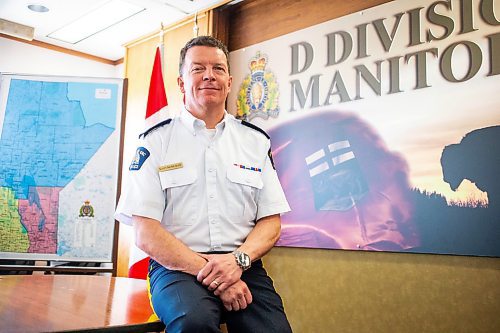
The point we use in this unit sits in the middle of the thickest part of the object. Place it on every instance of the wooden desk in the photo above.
(74, 303)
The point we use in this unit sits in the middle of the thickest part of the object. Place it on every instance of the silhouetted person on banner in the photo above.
(347, 190)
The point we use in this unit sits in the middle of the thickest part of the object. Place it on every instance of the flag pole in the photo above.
(161, 48)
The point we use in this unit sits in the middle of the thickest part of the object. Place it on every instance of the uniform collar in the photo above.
(194, 124)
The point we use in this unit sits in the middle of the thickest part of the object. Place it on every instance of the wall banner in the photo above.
(385, 126)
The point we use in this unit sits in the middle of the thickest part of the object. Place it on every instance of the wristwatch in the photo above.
(242, 259)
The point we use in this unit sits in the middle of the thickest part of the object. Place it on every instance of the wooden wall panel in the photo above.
(254, 21)
(220, 25)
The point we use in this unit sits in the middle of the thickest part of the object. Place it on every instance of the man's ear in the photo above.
(229, 83)
(180, 82)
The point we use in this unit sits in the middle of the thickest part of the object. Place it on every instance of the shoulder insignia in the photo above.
(165, 122)
(246, 123)
(141, 155)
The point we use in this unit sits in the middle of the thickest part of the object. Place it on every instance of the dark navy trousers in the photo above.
(185, 305)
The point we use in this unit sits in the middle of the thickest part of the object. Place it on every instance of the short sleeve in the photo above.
(271, 198)
(143, 195)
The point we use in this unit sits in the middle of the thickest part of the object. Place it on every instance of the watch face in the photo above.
(243, 260)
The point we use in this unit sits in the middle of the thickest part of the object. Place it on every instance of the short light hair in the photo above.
(202, 41)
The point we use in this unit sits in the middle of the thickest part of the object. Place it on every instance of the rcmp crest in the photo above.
(86, 210)
(85, 227)
(259, 93)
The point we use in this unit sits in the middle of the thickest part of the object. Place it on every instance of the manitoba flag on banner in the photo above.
(156, 111)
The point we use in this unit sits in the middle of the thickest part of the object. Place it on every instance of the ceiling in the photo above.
(108, 42)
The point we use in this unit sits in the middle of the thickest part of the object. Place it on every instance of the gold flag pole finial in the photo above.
(161, 46)
(196, 29)
(161, 33)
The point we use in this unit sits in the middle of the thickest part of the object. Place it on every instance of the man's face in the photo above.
(205, 79)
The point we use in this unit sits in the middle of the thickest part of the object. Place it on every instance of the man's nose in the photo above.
(208, 75)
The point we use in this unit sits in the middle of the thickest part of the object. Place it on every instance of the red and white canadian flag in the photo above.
(156, 111)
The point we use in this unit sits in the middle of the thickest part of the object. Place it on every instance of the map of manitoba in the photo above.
(59, 149)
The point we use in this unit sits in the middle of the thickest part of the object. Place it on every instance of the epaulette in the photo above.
(165, 122)
(246, 123)
(258, 129)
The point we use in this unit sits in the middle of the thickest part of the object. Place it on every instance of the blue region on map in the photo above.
(98, 101)
(45, 138)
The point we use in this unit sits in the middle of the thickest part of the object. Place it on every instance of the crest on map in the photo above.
(259, 94)
(86, 210)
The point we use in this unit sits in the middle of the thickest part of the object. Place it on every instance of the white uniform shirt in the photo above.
(207, 190)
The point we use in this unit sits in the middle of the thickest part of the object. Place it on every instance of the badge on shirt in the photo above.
(172, 166)
(141, 155)
(251, 168)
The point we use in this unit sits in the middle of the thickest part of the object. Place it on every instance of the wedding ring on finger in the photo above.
(216, 283)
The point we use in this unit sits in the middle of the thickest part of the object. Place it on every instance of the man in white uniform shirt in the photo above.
(205, 203)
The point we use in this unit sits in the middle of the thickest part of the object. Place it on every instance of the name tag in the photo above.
(169, 167)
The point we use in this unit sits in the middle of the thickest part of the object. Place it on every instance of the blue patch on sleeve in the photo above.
(141, 155)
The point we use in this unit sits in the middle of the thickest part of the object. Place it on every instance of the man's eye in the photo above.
(197, 69)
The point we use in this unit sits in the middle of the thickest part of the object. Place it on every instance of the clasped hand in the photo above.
(222, 275)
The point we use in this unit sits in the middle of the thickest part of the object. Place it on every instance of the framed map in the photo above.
(59, 148)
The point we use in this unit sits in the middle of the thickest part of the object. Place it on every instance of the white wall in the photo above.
(22, 58)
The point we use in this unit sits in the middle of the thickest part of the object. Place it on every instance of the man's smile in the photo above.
(208, 88)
